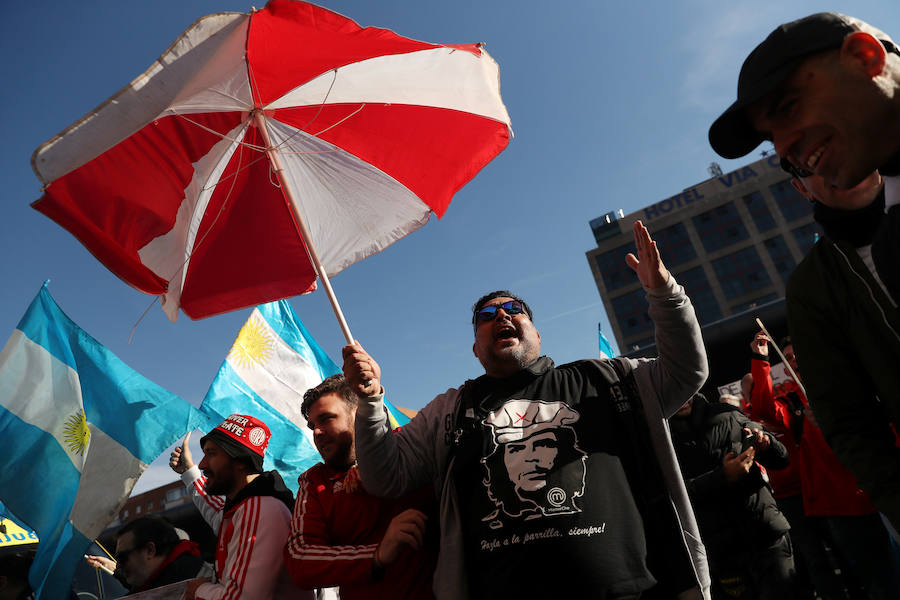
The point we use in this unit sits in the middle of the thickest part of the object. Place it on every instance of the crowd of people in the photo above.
(613, 478)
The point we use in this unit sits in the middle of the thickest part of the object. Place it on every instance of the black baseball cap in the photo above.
(732, 135)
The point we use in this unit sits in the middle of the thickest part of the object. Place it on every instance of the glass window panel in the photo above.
(720, 227)
(741, 272)
(631, 312)
(781, 256)
(759, 211)
(790, 202)
(615, 272)
(675, 247)
(699, 291)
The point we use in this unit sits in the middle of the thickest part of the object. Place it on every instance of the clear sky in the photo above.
(610, 103)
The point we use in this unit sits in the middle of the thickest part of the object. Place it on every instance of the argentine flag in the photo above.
(79, 427)
(272, 363)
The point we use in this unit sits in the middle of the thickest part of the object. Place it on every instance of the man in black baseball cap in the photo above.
(825, 90)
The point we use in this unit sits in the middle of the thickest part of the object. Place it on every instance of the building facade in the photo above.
(731, 241)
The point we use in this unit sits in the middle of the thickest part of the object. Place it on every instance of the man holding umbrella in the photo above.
(591, 498)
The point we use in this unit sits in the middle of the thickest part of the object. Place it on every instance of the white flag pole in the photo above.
(787, 365)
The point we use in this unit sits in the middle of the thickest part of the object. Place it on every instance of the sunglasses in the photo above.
(794, 171)
(489, 313)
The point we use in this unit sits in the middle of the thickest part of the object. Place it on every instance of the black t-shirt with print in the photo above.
(544, 495)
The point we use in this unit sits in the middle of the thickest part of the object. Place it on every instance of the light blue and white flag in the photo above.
(272, 363)
(79, 427)
(606, 350)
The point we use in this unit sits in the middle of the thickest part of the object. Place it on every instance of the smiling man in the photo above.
(554, 481)
(825, 90)
(342, 536)
(248, 508)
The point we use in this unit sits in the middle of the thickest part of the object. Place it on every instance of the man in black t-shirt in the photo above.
(553, 480)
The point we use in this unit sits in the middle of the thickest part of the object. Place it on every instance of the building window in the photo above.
(781, 256)
(790, 202)
(720, 227)
(125, 514)
(137, 510)
(615, 272)
(757, 302)
(699, 291)
(149, 506)
(174, 494)
(741, 272)
(807, 235)
(631, 312)
(675, 247)
(758, 209)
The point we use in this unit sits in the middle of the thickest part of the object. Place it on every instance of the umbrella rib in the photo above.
(315, 116)
(218, 133)
(318, 133)
(198, 242)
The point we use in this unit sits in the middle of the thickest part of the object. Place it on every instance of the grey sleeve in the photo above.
(681, 367)
(393, 463)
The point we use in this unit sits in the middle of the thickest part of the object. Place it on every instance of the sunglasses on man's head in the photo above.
(794, 171)
(489, 313)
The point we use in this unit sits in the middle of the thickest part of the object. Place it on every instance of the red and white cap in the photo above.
(249, 432)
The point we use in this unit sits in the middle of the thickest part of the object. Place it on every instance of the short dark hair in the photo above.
(497, 294)
(152, 529)
(336, 384)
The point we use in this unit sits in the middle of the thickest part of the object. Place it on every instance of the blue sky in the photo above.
(610, 103)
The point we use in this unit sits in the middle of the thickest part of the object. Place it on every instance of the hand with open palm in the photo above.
(647, 264)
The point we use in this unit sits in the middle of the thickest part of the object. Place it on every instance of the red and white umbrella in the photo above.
(262, 148)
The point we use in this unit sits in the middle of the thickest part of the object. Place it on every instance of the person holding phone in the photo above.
(719, 450)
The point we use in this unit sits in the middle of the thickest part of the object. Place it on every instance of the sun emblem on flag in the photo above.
(76, 433)
(253, 345)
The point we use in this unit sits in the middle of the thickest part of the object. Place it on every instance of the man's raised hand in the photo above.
(647, 264)
(181, 460)
(760, 344)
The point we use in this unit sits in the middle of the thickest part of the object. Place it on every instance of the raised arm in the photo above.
(393, 463)
(681, 367)
(762, 398)
(209, 505)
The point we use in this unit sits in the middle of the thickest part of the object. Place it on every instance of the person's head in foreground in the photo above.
(823, 89)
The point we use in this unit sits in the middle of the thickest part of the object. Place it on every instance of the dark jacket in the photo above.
(732, 515)
(846, 333)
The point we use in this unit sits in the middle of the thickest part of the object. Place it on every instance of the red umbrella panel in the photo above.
(171, 182)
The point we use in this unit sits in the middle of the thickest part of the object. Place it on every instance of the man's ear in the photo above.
(475, 349)
(798, 185)
(151, 546)
(864, 50)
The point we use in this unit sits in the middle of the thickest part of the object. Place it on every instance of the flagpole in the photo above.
(272, 153)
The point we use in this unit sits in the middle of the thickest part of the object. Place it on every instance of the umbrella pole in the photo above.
(275, 159)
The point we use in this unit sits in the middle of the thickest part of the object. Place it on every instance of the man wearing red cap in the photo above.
(248, 508)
